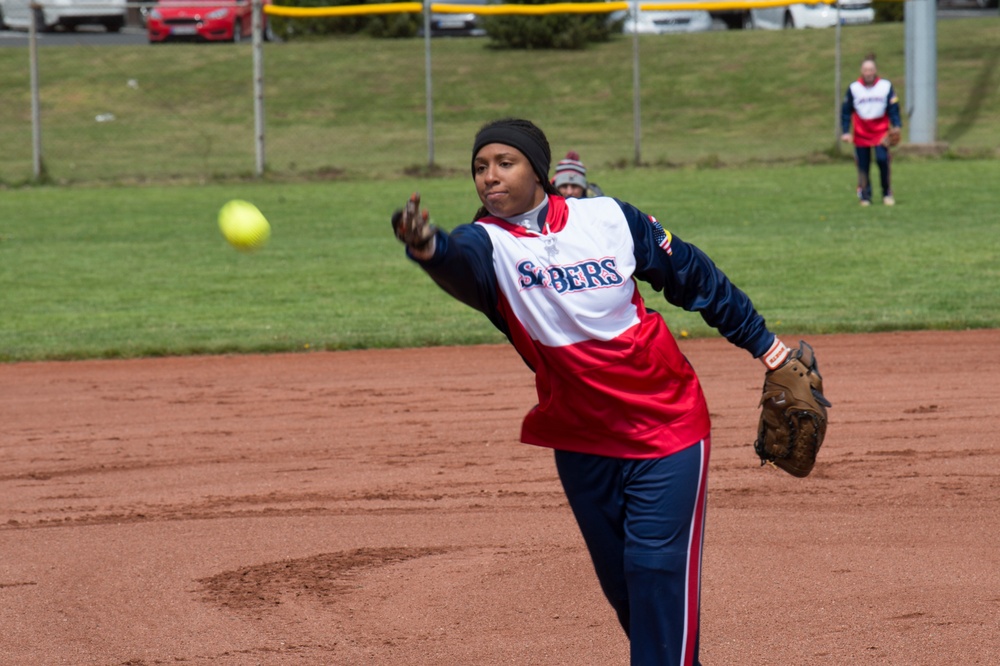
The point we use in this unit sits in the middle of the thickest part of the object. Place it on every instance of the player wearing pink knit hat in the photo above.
(571, 178)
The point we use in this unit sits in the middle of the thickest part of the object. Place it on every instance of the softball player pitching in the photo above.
(617, 401)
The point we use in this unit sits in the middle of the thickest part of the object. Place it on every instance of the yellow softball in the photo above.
(243, 225)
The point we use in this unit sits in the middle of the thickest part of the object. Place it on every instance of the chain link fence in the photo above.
(138, 114)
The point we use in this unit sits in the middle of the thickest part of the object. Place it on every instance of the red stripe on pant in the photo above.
(694, 561)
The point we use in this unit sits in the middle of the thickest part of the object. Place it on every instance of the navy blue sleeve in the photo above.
(462, 265)
(846, 109)
(690, 280)
(893, 109)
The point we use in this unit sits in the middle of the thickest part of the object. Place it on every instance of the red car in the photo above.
(194, 21)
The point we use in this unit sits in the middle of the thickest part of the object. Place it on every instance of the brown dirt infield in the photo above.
(375, 507)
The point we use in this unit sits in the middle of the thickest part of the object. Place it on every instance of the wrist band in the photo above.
(775, 356)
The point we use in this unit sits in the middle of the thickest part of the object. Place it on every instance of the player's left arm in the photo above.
(689, 279)
(892, 109)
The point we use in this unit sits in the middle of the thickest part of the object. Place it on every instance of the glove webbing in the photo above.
(792, 419)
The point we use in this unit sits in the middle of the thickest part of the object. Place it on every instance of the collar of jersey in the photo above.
(555, 219)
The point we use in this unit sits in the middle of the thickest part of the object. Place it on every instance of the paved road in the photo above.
(84, 35)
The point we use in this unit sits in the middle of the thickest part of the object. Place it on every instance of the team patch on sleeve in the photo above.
(662, 236)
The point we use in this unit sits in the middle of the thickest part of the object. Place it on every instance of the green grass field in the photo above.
(124, 259)
(124, 272)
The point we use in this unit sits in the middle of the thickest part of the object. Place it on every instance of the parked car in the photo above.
(192, 21)
(812, 16)
(447, 24)
(67, 14)
(663, 22)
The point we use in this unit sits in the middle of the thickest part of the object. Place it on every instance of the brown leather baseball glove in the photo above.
(793, 414)
(893, 137)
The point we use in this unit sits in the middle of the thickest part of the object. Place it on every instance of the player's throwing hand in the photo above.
(412, 226)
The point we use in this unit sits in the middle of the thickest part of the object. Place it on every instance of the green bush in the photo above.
(551, 31)
(374, 25)
(888, 12)
(394, 25)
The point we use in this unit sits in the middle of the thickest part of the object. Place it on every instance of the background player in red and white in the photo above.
(617, 400)
(871, 104)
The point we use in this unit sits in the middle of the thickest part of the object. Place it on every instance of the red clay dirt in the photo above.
(375, 507)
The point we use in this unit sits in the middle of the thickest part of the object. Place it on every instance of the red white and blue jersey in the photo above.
(610, 378)
(872, 109)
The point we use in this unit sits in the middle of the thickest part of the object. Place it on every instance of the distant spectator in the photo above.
(872, 105)
(571, 178)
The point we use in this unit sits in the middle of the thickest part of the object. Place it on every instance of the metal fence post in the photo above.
(258, 84)
(921, 70)
(636, 96)
(836, 85)
(36, 120)
(428, 87)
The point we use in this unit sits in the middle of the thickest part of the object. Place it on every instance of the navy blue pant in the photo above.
(863, 159)
(643, 522)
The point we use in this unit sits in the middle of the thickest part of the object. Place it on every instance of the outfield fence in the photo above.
(259, 142)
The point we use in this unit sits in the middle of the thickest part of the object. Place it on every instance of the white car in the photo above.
(67, 13)
(663, 22)
(811, 16)
(459, 25)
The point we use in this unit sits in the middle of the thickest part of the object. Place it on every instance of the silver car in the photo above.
(663, 22)
(464, 24)
(66, 13)
(852, 12)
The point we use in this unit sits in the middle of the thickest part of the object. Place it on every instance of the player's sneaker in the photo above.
(888, 200)
(865, 202)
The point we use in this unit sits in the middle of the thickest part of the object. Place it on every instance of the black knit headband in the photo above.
(512, 135)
